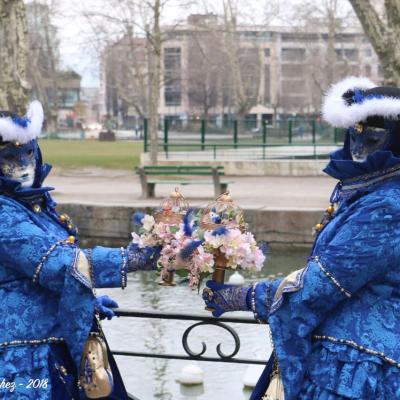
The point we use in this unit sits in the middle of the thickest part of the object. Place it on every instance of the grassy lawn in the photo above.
(79, 153)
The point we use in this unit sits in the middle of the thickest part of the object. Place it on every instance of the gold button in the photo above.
(70, 226)
(71, 239)
(37, 208)
(318, 227)
(63, 218)
(331, 209)
(17, 144)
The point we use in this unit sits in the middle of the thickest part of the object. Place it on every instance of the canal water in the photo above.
(150, 379)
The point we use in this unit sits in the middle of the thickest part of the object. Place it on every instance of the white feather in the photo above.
(11, 131)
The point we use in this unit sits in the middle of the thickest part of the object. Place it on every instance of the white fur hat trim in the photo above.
(12, 131)
(339, 114)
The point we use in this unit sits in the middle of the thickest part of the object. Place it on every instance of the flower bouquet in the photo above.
(164, 229)
(219, 241)
(196, 245)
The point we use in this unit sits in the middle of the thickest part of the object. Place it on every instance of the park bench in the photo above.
(148, 172)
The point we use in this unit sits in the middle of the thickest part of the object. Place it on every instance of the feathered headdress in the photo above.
(355, 99)
(14, 128)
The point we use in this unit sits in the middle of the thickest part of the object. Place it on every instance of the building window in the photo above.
(173, 94)
(293, 54)
(267, 52)
(172, 58)
(172, 76)
(68, 97)
(368, 52)
(267, 84)
(347, 54)
(293, 71)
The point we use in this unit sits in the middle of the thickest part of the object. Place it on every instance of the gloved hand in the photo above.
(103, 304)
(223, 298)
(142, 259)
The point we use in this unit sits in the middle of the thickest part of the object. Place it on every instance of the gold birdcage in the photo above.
(172, 209)
(171, 212)
(223, 212)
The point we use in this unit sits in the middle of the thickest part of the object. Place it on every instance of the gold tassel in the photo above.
(275, 389)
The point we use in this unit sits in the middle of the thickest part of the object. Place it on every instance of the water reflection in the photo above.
(154, 378)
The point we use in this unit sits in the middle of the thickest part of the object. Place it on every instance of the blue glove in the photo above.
(222, 298)
(142, 259)
(103, 304)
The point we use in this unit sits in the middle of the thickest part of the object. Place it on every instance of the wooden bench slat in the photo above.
(177, 171)
(182, 173)
(193, 182)
(184, 166)
(182, 169)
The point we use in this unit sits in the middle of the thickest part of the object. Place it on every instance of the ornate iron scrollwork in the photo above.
(220, 353)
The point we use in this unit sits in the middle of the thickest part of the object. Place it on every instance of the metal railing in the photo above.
(204, 133)
(190, 354)
(248, 151)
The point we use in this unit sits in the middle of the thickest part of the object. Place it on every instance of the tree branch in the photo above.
(372, 24)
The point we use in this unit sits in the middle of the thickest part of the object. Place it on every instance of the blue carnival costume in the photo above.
(46, 279)
(335, 322)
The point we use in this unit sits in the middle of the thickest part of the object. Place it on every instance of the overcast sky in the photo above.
(75, 34)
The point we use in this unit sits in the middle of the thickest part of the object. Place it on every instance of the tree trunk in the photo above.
(383, 37)
(331, 54)
(154, 81)
(13, 56)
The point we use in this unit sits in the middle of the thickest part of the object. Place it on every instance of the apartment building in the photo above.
(212, 71)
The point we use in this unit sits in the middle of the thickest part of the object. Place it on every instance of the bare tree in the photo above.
(206, 63)
(320, 28)
(383, 31)
(43, 58)
(137, 82)
(154, 43)
(126, 73)
(13, 56)
(245, 64)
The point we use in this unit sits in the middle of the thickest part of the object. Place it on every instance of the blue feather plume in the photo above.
(137, 218)
(21, 121)
(263, 246)
(187, 223)
(188, 251)
(221, 230)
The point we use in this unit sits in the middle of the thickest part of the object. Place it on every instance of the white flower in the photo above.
(148, 222)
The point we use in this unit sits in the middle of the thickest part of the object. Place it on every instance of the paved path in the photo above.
(116, 188)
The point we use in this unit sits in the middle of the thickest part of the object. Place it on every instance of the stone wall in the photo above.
(111, 226)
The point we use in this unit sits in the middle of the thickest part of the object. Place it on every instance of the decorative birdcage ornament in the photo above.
(222, 212)
(171, 212)
(172, 209)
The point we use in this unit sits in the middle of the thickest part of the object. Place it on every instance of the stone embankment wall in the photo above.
(255, 167)
(111, 226)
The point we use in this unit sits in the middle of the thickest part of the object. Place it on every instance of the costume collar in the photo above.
(342, 168)
(354, 177)
(32, 195)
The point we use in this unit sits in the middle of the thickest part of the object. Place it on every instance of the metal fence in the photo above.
(200, 139)
(245, 151)
(189, 353)
(301, 138)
